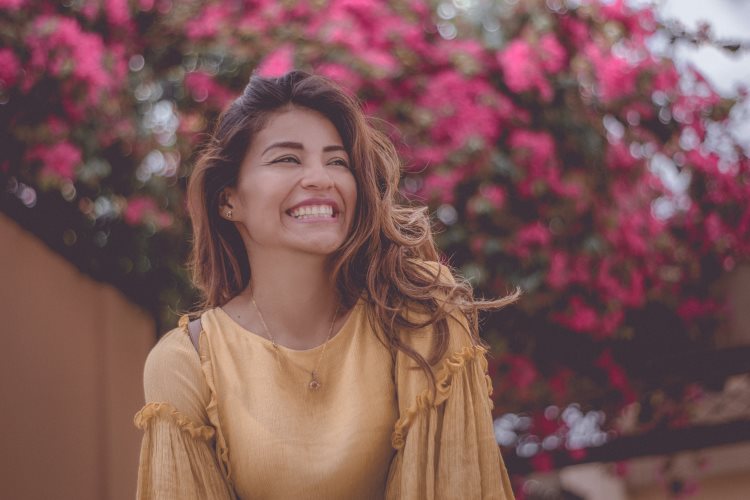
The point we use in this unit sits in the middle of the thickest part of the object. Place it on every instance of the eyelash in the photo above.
(342, 162)
(283, 159)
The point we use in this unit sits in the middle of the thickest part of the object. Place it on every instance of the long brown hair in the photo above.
(383, 256)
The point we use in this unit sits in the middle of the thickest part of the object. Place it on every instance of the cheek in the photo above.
(261, 191)
(350, 191)
(351, 198)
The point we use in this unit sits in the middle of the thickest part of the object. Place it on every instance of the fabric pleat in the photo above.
(446, 444)
(177, 460)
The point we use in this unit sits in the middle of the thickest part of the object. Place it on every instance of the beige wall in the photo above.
(724, 475)
(726, 487)
(70, 377)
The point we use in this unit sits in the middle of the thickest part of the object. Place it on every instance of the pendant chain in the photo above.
(314, 383)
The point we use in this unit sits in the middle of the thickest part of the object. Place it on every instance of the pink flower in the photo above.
(382, 60)
(542, 462)
(441, 185)
(610, 322)
(522, 374)
(528, 238)
(142, 209)
(57, 128)
(137, 207)
(559, 383)
(468, 56)
(477, 244)
(535, 152)
(583, 318)
(578, 454)
(716, 230)
(12, 5)
(523, 71)
(494, 194)
(203, 87)
(342, 75)
(277, 62)
(543, 426)
(616, 374)
(694, 308)
(535, 149)
(666, 78)
(638, 23)
(10, 68)
(59, 47)
(616, 77)
(576, 30)
(533, 234)
(426, 155)
(619, 157)
(463, 108)
(208, 23)
(467, 48)
(636, 295)
(117, 12)
(629, 292)
(581, 269)
(558, 273)
(552, 54)
(580, 317)
(58, 160)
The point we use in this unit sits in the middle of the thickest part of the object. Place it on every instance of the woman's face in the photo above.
(295, 191)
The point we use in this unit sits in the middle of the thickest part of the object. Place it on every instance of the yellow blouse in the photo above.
(238, 420)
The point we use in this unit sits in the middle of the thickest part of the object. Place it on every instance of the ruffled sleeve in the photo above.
(445, 444)
(178, 456)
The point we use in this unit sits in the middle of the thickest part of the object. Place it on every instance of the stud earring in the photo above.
(228, 214)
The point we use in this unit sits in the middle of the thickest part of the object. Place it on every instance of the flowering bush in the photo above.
(549, 156)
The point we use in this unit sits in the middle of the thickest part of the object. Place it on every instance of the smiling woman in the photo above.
(332, 356)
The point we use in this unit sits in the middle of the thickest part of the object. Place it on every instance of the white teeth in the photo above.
(312, 211)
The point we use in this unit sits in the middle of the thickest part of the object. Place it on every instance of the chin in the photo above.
(320, 247)
(321, 250)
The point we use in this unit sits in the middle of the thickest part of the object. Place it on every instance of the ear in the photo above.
(226, 205)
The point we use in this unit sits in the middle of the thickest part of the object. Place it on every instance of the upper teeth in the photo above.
(312, 210)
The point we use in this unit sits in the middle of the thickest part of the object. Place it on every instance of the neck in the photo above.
(295, 295)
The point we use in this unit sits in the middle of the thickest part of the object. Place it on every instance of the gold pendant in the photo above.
(314, 385)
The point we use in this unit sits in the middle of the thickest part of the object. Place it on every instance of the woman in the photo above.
(332, 356)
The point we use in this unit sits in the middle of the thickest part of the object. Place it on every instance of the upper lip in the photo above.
(316, 201)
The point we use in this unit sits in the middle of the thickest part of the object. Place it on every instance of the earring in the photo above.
(228, 214)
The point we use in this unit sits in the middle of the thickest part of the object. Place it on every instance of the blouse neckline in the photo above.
(345, 329)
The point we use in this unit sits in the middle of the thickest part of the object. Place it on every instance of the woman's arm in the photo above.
(178, 457)
(445, 441)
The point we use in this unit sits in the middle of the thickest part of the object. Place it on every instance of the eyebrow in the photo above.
(298, 145)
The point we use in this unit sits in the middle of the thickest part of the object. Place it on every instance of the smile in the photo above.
(313, 212)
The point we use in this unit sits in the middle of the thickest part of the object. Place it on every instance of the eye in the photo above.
(339, 161)
(286, 159)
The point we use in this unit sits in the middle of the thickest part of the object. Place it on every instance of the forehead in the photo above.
(306, 126)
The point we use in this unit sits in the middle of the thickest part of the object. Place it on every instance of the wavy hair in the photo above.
(384, 254)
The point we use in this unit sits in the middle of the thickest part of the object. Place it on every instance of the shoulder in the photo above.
(456, 325)
(173, 352)
(173, 374)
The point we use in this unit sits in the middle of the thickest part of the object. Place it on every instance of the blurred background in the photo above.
(594, 153)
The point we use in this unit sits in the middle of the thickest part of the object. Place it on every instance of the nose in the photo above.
(316, 176)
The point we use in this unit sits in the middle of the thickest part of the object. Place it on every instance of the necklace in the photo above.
(314, 383)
